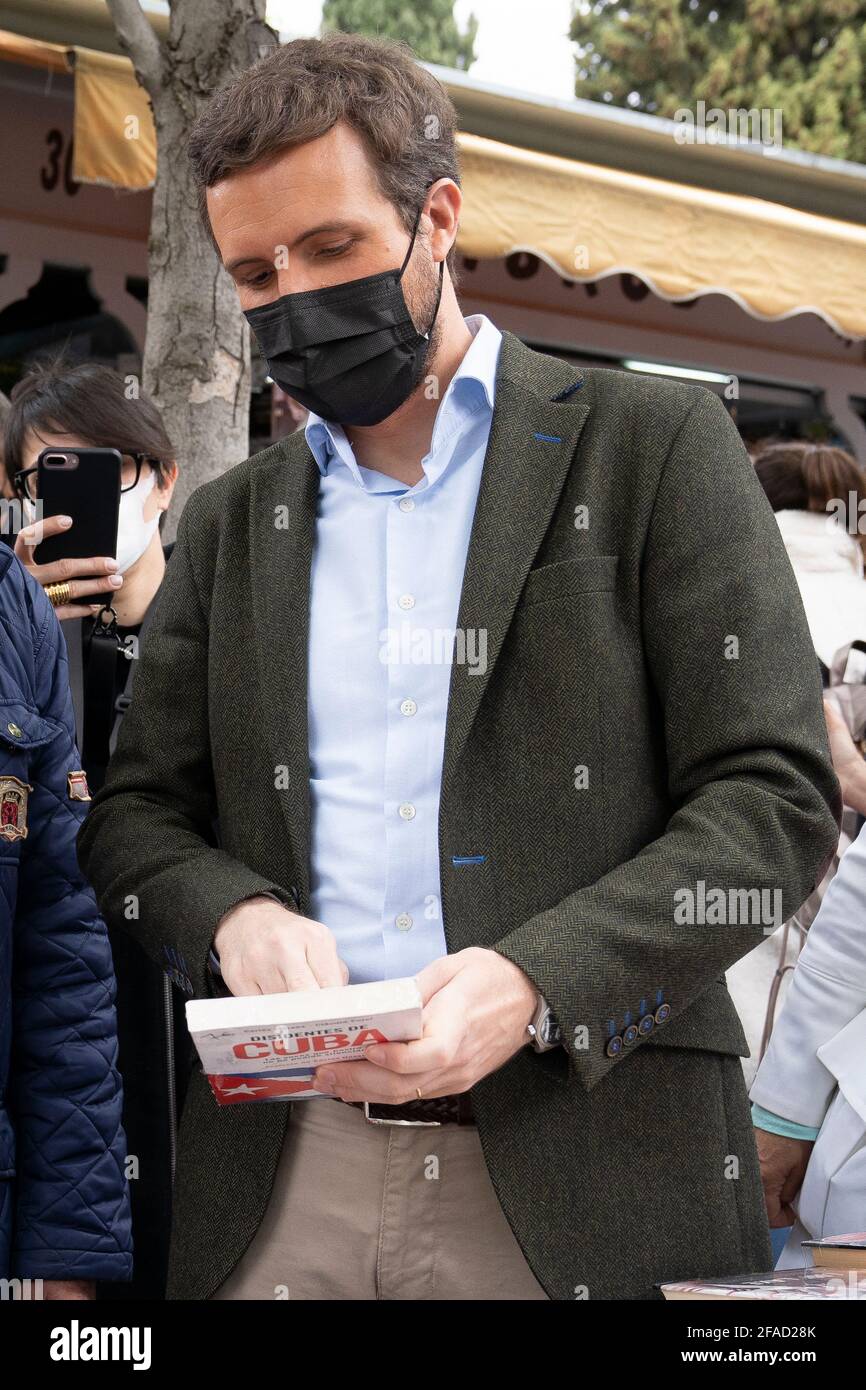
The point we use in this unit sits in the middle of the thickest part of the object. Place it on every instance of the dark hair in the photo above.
(807, 477)
(85, 399)
(298, 93)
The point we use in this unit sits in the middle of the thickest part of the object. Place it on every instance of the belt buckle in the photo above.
(415, 1124)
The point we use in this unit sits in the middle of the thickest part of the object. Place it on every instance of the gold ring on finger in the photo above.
(58, 594)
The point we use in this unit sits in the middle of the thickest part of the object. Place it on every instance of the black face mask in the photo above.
(349, 352)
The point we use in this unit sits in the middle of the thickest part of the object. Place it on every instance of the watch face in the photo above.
(549, 1030)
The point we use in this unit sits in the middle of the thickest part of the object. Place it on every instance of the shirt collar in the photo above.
(477, 369)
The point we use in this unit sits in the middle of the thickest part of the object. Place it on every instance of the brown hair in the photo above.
(299, 92)
(89, 400)
(815, 478)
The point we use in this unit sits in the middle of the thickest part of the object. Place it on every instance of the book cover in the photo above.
(780, 1284)
(267, 1047)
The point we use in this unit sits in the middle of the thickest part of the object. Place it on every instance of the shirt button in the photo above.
(403, 922)
(406, 504)
(407, 810)
(408, 707)
(406, 601)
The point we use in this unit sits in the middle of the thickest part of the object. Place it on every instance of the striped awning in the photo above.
(588, 222)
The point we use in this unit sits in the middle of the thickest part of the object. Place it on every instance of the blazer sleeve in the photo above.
(756, 802)
(827, 991)
(148, 845)
(72, 1215)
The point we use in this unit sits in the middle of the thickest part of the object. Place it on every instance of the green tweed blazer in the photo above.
(647, 737)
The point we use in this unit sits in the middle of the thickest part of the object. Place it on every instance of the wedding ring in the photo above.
(418, 1092)
(58, 594)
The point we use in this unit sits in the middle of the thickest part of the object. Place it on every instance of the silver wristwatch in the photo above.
(543, 1030)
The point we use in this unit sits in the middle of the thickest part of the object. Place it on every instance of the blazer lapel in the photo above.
(537, 420)
(282, 524)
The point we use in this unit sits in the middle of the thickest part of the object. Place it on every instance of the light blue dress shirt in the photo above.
(386, 576)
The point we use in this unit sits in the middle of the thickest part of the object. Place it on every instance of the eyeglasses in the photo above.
(25, 481)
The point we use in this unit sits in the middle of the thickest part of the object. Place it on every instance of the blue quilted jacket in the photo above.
(64, 1201)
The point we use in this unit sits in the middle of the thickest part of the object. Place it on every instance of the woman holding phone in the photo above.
(89, 406)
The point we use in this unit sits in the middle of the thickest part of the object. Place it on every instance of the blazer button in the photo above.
(646, 1025)
(662, 1013)
(629, 1034)
(613, 1046)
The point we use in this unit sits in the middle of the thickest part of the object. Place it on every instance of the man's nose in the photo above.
(287, 280)
(292, 275)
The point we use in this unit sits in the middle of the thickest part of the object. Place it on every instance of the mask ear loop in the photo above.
(438, 298)
(441, 273)
(411, 244)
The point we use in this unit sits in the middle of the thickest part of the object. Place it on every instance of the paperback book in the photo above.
(267, 1047)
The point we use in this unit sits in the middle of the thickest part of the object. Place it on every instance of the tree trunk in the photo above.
(197, 353)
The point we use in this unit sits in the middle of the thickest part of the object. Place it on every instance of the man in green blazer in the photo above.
(629, 788)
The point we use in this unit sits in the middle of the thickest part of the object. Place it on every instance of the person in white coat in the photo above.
(818, 496)
(812, 1081)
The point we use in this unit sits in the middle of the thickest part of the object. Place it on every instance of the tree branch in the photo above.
(139, 41)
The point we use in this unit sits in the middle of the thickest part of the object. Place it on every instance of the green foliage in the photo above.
(806, 58)
(428, 26)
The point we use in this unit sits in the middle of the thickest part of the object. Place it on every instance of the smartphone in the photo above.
(83, 484)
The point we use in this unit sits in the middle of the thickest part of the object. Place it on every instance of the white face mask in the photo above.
(134, 534)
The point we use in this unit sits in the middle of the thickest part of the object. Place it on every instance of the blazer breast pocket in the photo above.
(565, 579)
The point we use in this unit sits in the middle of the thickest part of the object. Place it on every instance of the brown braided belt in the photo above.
(443, 1110)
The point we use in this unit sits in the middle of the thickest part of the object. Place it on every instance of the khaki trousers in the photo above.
(361, 1211)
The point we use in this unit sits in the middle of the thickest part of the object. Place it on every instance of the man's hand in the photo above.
(264, 948)
(63, 1290)
(477, 1005)
(783, 1167)
(848, 761)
